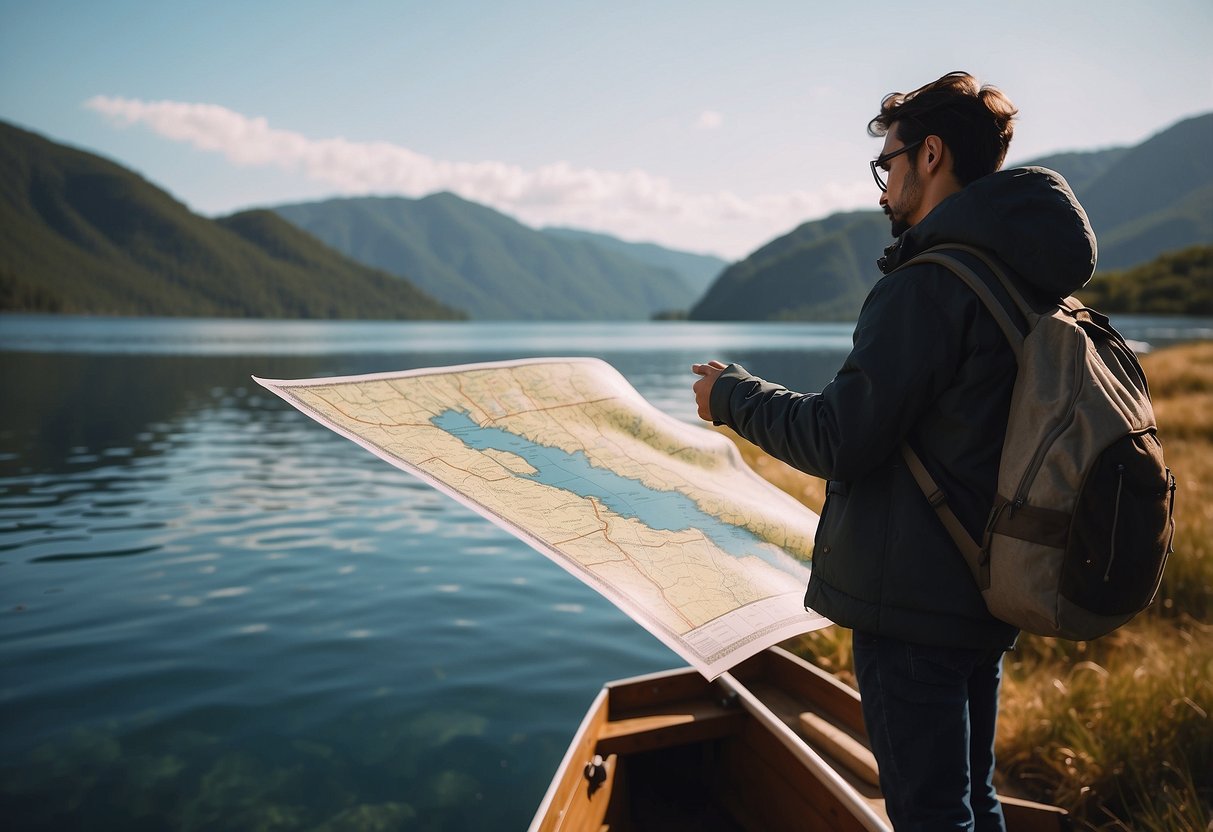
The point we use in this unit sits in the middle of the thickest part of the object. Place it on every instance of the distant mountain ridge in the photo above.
(81, 234)
(1142, 201)
(470, 256)
(696, 270)
(821, 271)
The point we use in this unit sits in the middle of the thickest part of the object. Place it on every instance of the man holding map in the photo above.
(931, 368)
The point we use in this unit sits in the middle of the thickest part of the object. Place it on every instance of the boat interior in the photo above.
(775, 744)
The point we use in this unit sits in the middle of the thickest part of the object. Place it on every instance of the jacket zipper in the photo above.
(1025, 483)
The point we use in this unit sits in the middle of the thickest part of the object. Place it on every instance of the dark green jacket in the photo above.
(929, 365)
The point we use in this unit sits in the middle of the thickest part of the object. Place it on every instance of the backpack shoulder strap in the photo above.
(970, 550)
(939, 255)
(1000, 271)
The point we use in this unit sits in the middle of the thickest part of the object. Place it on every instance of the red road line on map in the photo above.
(513, 372)
(468, 399)
(551, 407)
(481, 477)
(660, 591)
(354, 418)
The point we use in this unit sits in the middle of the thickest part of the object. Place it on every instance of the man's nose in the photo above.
(884, 198)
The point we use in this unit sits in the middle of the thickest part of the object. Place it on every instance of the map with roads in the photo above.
(661, 517)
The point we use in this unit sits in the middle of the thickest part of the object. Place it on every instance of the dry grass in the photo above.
(1118, 730)
(1181, 381)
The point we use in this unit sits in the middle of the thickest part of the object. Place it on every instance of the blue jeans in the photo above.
(930, 714)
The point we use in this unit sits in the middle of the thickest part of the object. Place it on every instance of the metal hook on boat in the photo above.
(595, 772)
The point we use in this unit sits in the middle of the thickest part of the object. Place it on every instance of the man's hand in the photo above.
(703, 387)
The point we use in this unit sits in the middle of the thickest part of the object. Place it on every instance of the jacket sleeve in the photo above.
(905, 352)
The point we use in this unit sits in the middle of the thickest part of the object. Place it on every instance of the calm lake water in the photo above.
(216, 614)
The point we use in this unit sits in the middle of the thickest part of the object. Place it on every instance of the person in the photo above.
(929, 367)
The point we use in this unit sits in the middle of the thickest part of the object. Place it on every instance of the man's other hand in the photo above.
(703, 387)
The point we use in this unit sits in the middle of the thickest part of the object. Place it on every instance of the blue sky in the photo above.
(707, 126)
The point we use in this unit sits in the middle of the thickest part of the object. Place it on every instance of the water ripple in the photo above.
(113, 553)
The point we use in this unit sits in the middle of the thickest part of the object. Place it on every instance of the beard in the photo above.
(906, 205)
(900, 226)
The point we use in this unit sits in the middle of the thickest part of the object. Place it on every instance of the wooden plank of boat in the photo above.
(775, 744)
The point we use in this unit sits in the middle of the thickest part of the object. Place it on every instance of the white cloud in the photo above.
(633, 204)
(709, 120)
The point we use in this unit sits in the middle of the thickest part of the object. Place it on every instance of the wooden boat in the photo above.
(774, 744)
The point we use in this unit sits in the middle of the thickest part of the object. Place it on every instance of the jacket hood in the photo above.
(1028, 217)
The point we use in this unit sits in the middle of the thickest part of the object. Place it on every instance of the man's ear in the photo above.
(933, 150)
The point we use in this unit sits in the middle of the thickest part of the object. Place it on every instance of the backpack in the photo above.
(1082, 522)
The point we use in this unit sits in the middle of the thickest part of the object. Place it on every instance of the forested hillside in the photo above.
(491, 265)
(1142, 201)
(81, 234)
(1180, 283)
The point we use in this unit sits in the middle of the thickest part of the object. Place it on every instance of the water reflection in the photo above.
(181, 336)
(80, 412)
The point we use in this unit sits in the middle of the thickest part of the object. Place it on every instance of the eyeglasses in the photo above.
(884, 160)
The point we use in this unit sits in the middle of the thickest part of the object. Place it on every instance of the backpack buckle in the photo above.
(937, 499)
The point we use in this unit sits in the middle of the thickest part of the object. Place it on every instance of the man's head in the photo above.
(956, 131)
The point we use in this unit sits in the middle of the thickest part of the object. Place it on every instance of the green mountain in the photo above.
(1156, 197)
(1143, 201)
(1081, 169)
(1179, 283)
(821, 271)
(81, 234)
(696, 270)
(475, 258)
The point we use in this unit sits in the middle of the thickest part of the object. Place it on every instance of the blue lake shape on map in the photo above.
(627, 497)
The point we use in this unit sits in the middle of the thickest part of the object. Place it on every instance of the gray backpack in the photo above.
(1082, 523)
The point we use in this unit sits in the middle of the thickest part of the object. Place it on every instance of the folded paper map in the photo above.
(661, 517)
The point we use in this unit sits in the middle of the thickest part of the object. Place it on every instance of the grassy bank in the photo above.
(1118, 730)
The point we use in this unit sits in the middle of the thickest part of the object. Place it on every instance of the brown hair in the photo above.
(973, 121)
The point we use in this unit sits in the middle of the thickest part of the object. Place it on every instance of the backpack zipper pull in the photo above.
(1120, 481)
(1171, 511)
